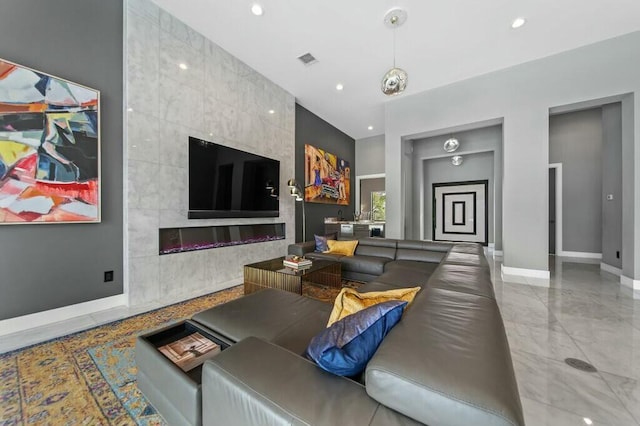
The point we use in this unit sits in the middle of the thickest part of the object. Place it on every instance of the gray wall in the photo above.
(218, 98)
(575, 140)
(484, 140)
(367, 186)
(370, 155)
(612, 184)
(50, 266)
(313, 130)
(521, 96)
(440, 170)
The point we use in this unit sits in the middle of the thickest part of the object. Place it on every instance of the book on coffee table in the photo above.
(190, 351)
(297, 262)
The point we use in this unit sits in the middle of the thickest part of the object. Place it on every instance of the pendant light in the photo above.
(395, 80)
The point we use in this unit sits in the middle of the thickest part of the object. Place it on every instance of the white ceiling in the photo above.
(442, 42)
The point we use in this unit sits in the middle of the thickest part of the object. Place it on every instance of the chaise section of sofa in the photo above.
(446, 363)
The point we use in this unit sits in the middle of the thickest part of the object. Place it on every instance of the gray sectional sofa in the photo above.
(446, 363)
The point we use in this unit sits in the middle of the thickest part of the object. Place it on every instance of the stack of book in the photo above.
(190, 351)
(296, 262)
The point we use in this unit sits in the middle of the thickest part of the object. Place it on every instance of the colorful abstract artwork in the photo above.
(49, 148)
(327, 178)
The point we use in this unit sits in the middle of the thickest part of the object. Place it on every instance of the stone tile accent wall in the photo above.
(218, 98)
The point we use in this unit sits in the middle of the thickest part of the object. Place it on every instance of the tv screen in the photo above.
(227, 182)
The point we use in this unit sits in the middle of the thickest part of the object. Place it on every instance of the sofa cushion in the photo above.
(324, 256)
(379, 242)
(346, 248)
(372, 265)
(463, 278)
(404, 277)
(347, 345)
(425, 267)
(321, 243)
(420, 255)
(349, 300)
(425, 245)
(290, 321)
(455, 363)
(466, 258)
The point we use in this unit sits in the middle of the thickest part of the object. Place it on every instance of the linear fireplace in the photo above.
(179, 240)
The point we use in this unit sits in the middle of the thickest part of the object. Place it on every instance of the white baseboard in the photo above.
(536, 277)
(581, 254)
(39, 319)
(630, 282)
(611, 269)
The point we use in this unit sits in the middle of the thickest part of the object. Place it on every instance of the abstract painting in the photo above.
(327, 178)
(49, 148)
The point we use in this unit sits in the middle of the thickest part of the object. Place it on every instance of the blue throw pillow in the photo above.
(346, 347)
(321, 243)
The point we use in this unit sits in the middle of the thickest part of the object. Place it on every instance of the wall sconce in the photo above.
(296, 191)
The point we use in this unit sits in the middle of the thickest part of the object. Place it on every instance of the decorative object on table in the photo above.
(296, 191)
(345, 248)
(49, 148)
(349, 301)
(451, 144)
(327, 177)
(456, 160)
(190, 351)
(346, 346)
(297, 262)
(396, 79)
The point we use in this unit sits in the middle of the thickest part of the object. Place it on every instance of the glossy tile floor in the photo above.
(585, 314)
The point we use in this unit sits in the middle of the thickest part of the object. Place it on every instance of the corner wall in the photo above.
(219, 99)
(44, 267)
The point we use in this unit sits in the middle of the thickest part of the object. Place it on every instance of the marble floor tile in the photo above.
(550, 342)
(627, 390)
(554, 383)
(539, 414)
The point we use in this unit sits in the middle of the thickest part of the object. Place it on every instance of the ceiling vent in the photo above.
(307, 59)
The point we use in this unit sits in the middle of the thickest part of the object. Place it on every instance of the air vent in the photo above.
(307, 59)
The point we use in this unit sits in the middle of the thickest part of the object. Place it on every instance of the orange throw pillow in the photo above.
(346, 248)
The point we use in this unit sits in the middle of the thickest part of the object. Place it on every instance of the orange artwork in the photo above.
(327, 178)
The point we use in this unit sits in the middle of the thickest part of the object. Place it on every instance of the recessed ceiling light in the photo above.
(339, 86)
(210, 134)
(183, 66)
(518, 22)
(256, 9)
(588, 421)
(370, 127)
(271, 111)
(130, 109)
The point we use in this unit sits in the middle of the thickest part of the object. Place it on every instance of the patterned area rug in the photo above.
(89, 378)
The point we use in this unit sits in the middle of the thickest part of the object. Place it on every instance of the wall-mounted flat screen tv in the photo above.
(227, 182)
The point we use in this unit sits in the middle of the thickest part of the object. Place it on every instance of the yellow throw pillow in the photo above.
(346, 248)
(349, 301)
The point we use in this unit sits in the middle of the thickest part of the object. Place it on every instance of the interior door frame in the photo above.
(484, 182)
(558, 168)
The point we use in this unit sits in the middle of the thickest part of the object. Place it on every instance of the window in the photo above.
(378, 203)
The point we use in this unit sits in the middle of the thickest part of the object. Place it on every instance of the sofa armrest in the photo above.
(255, 382)
(300, 249)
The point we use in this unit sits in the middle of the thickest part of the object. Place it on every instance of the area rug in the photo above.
(89, 378)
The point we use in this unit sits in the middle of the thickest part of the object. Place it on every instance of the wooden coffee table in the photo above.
(272, 274)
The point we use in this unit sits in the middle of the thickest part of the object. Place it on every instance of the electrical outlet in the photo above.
(618, 255)
(108, 276)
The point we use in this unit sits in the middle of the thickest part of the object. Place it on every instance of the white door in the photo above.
(460, 211)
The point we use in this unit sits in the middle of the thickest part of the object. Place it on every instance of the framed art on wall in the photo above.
(327, 178)
(460, 211)
(49, 148)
